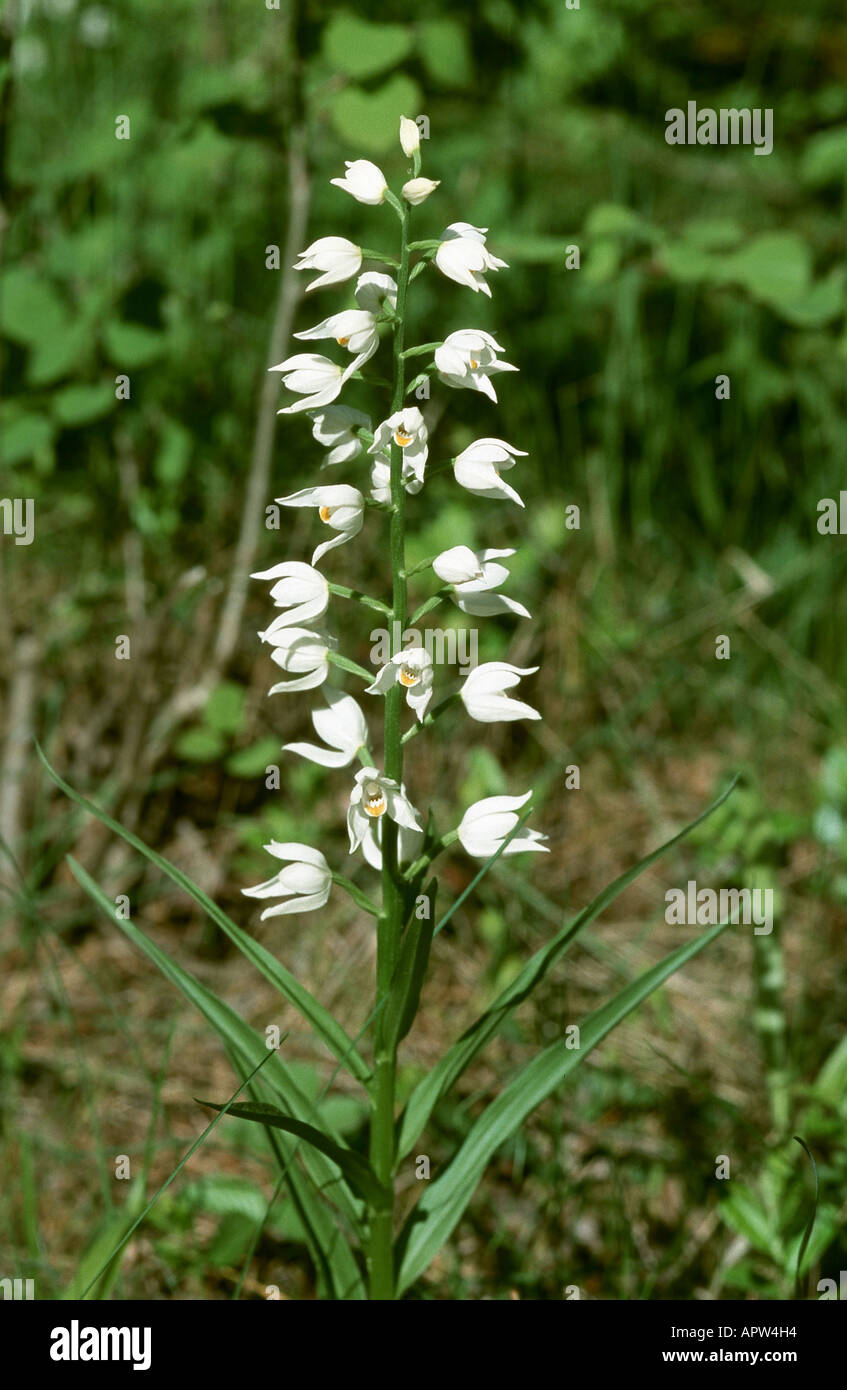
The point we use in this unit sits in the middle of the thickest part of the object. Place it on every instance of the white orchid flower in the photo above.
(335, 428)
(353, 329)
(472, 575)
(409, 844)
(405, 428)
(468, 359)
(478, 468)
(342, 726)
(413, 670)
(300, 589)
(410, 137)
(363, 181)
(374, 290)
(340, 507)
(486, 824)
(338, 258)
(462, 256)
(317, 379)
(483, 693)
(374, 796)
(305, 881)
(302, 653)
(417, 190)
(381, 481)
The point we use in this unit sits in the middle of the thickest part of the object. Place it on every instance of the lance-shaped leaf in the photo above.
(321, 1020)
(405, 992)
(444, 1200)
(246, 1042)
(444, 1074)
(356, 1169)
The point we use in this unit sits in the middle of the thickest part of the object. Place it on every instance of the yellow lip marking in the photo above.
(408, 677)
(375, 803)
(325, 513)
(402, 439)
(474, 363)
(342, 342)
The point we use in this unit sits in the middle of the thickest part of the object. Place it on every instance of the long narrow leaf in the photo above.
(445, 1073)
(247, 1042)
(444, 1201)
(328, 1030)
(355, 1168)
(404, 995)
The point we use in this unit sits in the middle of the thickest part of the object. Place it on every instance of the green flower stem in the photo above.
(342, 591)
(344, 662)
(419, 351)
(361, 899)
(431, 244)
(431, 717)
(427, 371)
(390, 922)
(369, 255)
(422, 565)
(427, 607)
(432, 854)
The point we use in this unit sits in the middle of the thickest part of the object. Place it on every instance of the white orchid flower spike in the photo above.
(363, 181)
(374, 796)
(478, 468)
(315, 378)
(484, 693)
(339, 507)
(409, 844)
(335, 428)
(304, 654)
(353, 329)
(338, 259)
(407, 429)
(342, 727)
(414, 671)
(472, 574)
(468, 359)
(299, 589)
(304, 883)
(486, 824)
(374, 291)
(462, 256)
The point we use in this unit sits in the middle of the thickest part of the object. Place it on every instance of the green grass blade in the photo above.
(321, 1020)
(248, 1044)
(444, 1074)
(445, 1199)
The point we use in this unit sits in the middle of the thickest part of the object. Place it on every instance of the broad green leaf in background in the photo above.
(80, 405)
(442, 1204)
(360, 48)
(31, 310)
(775, 267)
(224, 709)
(252, 761)
(321, 1020)
(446, 1072)
(131, 345)
(25, 437)
(374, 116)
(445, 53)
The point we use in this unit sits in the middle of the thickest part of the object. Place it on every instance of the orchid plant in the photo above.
(346, 1200)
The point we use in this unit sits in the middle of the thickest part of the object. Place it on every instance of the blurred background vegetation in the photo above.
(148, 257)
